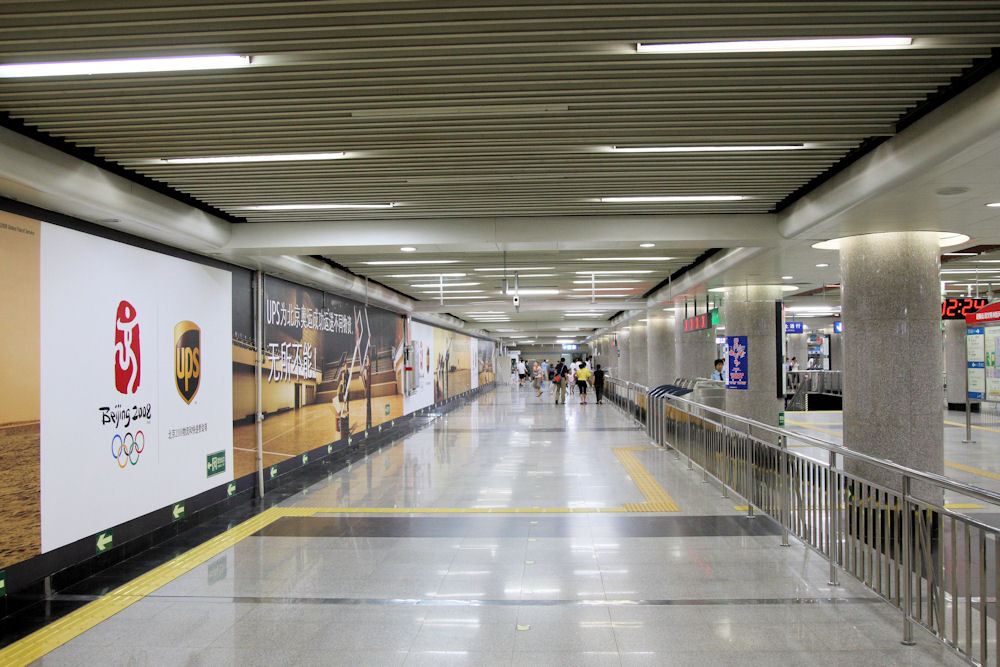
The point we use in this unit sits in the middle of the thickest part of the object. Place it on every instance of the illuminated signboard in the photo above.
(957, 308)
(793, 327)
(569, 347)
(703, 321)
(838, 327)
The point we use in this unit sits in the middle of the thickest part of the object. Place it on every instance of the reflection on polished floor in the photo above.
(501, 534)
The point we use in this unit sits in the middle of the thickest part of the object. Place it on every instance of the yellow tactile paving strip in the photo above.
(657, 500)
(38, 643)
(54, 635)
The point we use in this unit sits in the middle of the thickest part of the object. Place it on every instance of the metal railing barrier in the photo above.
(936, 566)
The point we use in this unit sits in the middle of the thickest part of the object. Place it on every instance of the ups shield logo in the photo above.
(187, 359)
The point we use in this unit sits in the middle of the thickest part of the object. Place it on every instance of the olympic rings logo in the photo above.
(126, 449)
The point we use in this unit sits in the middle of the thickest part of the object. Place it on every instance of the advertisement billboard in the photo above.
(136, 371)
(737, 369)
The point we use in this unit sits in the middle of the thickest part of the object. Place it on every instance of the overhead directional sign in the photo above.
(178, 511)
(105, 540)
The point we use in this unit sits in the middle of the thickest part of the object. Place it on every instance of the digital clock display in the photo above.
(958, 308)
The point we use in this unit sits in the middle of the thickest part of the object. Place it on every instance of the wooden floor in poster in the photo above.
(291, 433)
(20, 531)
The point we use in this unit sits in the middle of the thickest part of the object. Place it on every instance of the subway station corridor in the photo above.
(510, 531)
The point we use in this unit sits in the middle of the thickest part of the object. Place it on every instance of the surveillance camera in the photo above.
(517, 301)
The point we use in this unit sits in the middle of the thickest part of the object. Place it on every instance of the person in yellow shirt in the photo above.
(582, 376)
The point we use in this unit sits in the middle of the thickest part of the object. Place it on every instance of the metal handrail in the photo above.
(939, 480)
(931, 564)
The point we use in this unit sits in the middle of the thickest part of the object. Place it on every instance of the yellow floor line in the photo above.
(948, 464)
(814, 428)
(460, 510)
(657, 499)
(980, 428)
(57, 633)
(970, 469)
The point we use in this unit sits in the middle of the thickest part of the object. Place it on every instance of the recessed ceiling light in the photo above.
(624, 259)
(945, 240)
(600, 289)
(787, 277)
(512, 269)
(530, 292)
(598, 296)
(783, 288)
(408, 248)
(453, 291)
(390, 262)
(822, 266)
(960, 254)
(647, 245)
(126, 66)
(705, 149)
(227, 159)
(608, 281)
(313, 207)
(670, 198)
(778, 45)
(995, 204)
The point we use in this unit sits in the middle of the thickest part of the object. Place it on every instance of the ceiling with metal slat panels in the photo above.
(465, 110)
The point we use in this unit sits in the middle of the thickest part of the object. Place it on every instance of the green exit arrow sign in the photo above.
(230, 489)
(215, 463)
(781, 419)
(3, 583)
(178, 511)
(105, 540)
(305, 459)
(274, 471)
(329, 449)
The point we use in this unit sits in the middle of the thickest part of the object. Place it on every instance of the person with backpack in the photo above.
(559, 381)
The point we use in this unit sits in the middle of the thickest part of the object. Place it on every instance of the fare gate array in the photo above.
(936, 566)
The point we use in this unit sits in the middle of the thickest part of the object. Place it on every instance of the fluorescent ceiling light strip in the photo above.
(453, 291)
(427, 275)
(609, 273)
(530, 292)
(705, 149)
(226, 159)
(779, 45)
(516, 269)
(670, 199)
(449, 298)
(601, 289)
(598, 296)
(125, 66)
(446, 285)
(313, 207)
(390, 262)
(611, 281)
(624, 259)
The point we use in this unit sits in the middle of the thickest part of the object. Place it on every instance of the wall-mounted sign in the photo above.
(703, 321)
(956, 308)
(838, 327)
(794, 327)
(737, 363)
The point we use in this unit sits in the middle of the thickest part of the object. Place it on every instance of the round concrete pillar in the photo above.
(891, 307)
(637, 352)
(624, 361)
(751, 311)
(955, 363)
(660, 343)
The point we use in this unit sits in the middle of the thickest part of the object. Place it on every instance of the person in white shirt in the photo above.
(522, 372)
(573, 367)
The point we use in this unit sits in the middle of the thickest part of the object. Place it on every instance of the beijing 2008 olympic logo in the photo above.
(127, 360)
(126, 449)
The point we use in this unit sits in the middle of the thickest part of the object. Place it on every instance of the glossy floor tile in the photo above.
(413, 560)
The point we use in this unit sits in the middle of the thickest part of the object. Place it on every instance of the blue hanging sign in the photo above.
(793, 327)
(838, 327)
(737, 363)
